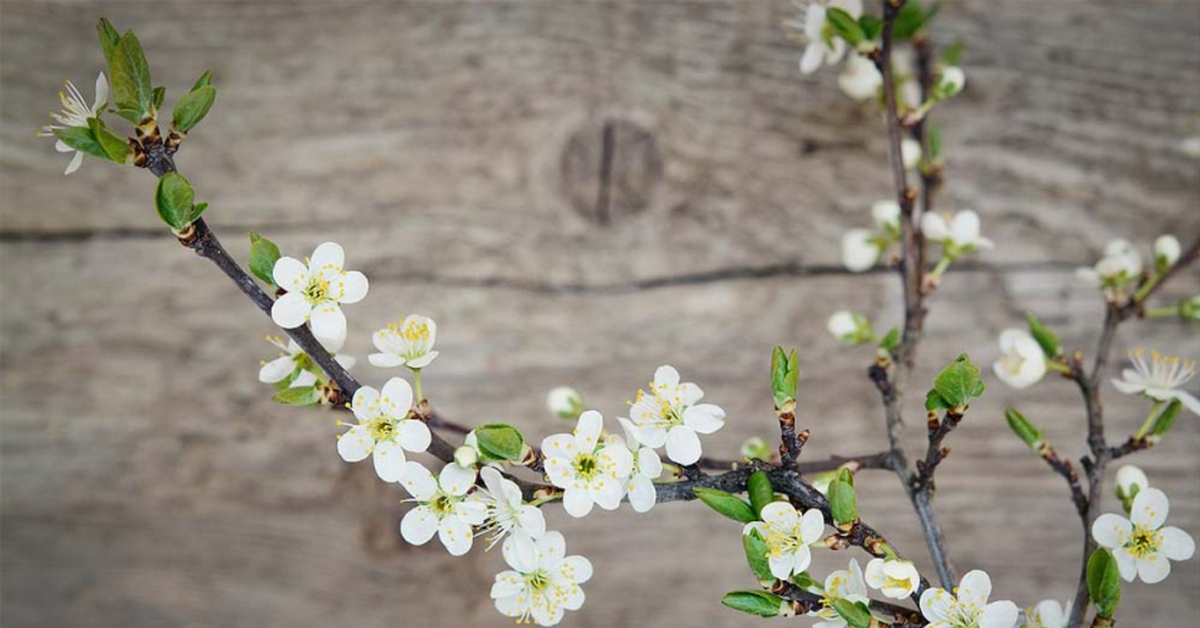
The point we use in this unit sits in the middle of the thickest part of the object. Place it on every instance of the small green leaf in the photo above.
(263, 255)
(109, 38)
(1166, 419)
(1044, 337)
(891, 340)
(935, 139)
(912, 18)
(130, 75)
(192, 108)
(843, 502)
(758, 603)
(871, 26)
(758, 487)
(499, 441)
(958, 382)
(953, 52)
(173, 199)
(114, 147)
(785, 376)
(845, 475)
(301, 396)
(160, 94)
(1104, 582)
(729, 505)
(934, 402)
(81, 139)
(197, 211)
(204, 80)
(1024, 430)
(806, 582)
(756, 555)
(845, 26)
(856, 614)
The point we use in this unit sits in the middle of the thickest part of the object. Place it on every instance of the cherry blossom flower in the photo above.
(895, 578)
(788, 536)
(293, 361)
(910, 153)
(1121, 264)
(823, 46)
(860, 250)
(75, 113)
(443, 508)
(1160, 380)
(507, 512)
(860, 80)
(968, 606)
(406, 343)
(384, 429)
(843, 584)
(1141, 544)
(1022, 363)
(590, 471)
(1167, 250)
(565, 403)
(886, 214)
(315, 291)
(647, 467)
(543, 581)
(1049, 614)
(958, 235)
(670, 415)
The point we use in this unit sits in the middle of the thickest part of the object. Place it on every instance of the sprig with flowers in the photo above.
(495, 483)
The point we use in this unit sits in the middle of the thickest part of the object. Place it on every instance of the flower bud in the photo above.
(1130, 481)
(859, 250)
(565, 403)
(756, 448)
(1190, 309)
(952, 81)
(1166, 250)
(849, 327)
(466, 456)
(910, 153)
(886, 215)
(822, 481)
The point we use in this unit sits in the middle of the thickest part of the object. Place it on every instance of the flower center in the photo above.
(414, 332)
(1143, 542)
(317, 290)
(537, 581)
(894, 583)
(586, 466)
(382, 429)
(442, 504)
(783, 541)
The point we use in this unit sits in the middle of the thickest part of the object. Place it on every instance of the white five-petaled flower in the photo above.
(860, 250)
(788, 536)
(968, 606)
(1049, 614)
(442, 507)
(671, 415)
(315, 291)
(384, 430)
(1141, 544)
(589, 470)
(1121, 263)
(823, 45)
(843, 584)
(1022, 363)
(75, 113)
(860, 80)
(1160, 380)
(507, 512)
(647, 467)
(293, 358)
(406, 343)
(1167, 249)
(958, 235)
(894, 578)
(543, 581)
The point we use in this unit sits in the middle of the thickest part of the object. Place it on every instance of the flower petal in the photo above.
(508, 584)
(456, 480)
(704, 418)
(423, 361)
(551, 549)
(577, 501)
(781, 566)
(276, 370)
(1176, 544)
(365, 403)
(649, 464)
(1002, 614)
(559, 446)
(936, 604)
(328, 257)
(812, 525)
(1111, 530)
(355, 444)
(419, 481)
(642, 494)
(576, 568)
(1153, 568)
(1150, 508)
(974, 588)
(397, 396)
(290, 310)
(419, 525)
(290, 274)
(587, 431)
(683, 446)
(456, 535)
(520, 553)
(354, 287)
(385, 360)
(413, 435)
(606, 492)
(389, 461)
(74, 164)
(328, 321)
(1126, 564)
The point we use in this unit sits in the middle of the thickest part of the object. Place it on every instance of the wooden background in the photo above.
(455, 150)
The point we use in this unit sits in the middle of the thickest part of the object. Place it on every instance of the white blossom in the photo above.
(910, 153)
(895, 578)
(543, 581)
(590, 471)
(507, 512)
(1121, 263)
(671, 415)
(1167, 249)
(442, 507)
(843, 584)
(886, 214)
(860, 250)
(565, 402)
(860, 80)
(1022, 362)
(849, 327)
(952, 81)
(75, 113)
(406, 343)
(1130, 481)
(788, 536)
(968, 606)
(823, 45)
(1160, 380)
(647, 467)
(957, 235)
(293, 358)
(1142, 546)
(316, 290)
(384, 429)
(1049, 614)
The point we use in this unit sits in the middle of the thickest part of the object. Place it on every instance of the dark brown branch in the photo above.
(805, 602)
(1067, 471)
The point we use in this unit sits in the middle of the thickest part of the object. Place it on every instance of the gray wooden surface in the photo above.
(454, 149)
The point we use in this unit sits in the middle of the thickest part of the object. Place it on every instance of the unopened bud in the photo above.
(1166, 250)
(466, 456)
(952, 81)
(1130, 481)
(565, 403)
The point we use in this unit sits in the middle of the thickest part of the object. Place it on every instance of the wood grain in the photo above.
(148, 481)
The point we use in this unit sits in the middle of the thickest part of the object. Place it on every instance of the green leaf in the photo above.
(843, 502)
(891, 340)
(845, 26)
(192, 108)
(114, 147)
(263, 255)
(1104, 582)
(173, 199)
(1166, 419)
(958, 382)
(499, 441)
(806, 582)
(934, 402)
(1044, 337)
(935, 139)
(197, 210)
(160, 94)
(785, 376)
(204, 80)
(845, 475)
(912, 18)
(758, 603)
(130, 75)
(756, 555)
(109, 38)
(871, 26)
(856, 614)
(1024, 430)
(758, 487)
(953, 52)
(729, 505)
(81, 139)
(302, 396)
